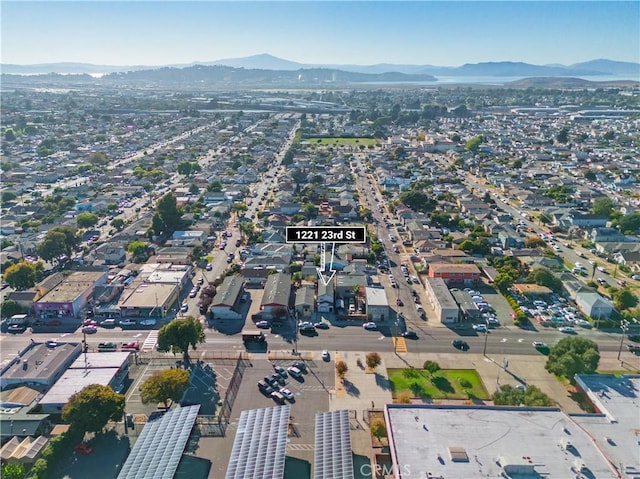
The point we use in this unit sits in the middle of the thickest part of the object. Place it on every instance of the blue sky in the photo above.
(362, 32)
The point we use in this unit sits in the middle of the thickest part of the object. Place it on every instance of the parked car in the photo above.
(128, 322)
(409, 334)
(263, 325)
(108, 323)
(277, 397)
(209, 267)
(567, 330)
(287, 394)
(148, 322)
(325, 355)
(480, 328)
(107, 347)
(301, 365)
(294, 372)
(370, 326)
(321, 325)
(52, 343)
(83, 448)
(17, 328)
(91, 329)
(131, 346)
(280, 370)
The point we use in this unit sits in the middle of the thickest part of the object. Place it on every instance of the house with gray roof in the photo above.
(226, 303)
(593, 305)
(276, 297)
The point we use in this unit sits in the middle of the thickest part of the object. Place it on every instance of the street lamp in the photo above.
(486, 336)
(624, 325)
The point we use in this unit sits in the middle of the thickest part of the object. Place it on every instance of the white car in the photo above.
(127, 322)
(480, 327)
(539, 345)
(370, 326)
(287, 394)
(601, 269)
(567, 330)
(325, 355)
(294, 371)
(148, 322)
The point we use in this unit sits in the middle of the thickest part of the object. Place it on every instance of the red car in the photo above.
(83, 448)
(134, 346)
(89, 322)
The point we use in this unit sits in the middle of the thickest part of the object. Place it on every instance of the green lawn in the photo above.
(444, 384)
(342, 141)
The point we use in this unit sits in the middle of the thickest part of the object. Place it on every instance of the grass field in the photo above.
(446, 383)
(342, 141)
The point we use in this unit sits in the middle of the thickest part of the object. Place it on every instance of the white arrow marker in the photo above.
(330, 272)
(503, 340)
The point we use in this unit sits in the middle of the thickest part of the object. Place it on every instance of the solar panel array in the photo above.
(333, 458)
(260, 445)
(159, 448)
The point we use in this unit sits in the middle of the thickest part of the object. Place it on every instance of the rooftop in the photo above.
(376, 297)
(146, 295)
(461, 442)
(228, 291)
(72, 287)
(101, 360)
(440, 289)
(73, 380)
(453, 268)
(277, 290)
(616, 430)
(40, 362)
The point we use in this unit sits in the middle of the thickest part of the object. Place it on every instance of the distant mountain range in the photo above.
(265, 61)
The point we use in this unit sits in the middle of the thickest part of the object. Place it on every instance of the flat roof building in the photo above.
(74, 380)
(462, 442)
(441, 300)
(39, 365)
(68, 298)
(377, 304)
(144, 300)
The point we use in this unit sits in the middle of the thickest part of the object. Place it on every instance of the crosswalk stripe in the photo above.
(399, 344)
(150, 341)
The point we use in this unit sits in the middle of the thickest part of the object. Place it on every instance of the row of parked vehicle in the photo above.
(274, 384)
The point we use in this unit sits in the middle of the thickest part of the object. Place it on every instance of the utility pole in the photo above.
(486, 337)
(624, 325)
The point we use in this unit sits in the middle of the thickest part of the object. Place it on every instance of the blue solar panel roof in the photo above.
(333, 458)
(260, 445)
(159, 448)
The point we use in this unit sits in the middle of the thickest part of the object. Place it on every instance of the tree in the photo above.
(8, 196)
(544, 277)
(624, 299)
(478, 246)
(431, 367)
(533, 396)
(188, 168)
(378, 428)
(373, 360)
(573, 356)
(215, 186)
(138, 250)
(418, 201)
(630, 224)
(169, 384)
(602, 206)
(507, 395)
(534, 242)
(310, 210)
(61, 240)
(168, 217)
(474, 143)
(91, 408)
(563, 136)
(117, 223)
(503, 281)
(8, 308)
(179, 334)
(22, 275)
(13, 471)
(86, 220)
(341, 369)
(9, 135)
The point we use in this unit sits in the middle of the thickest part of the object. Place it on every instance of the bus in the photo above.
(253, 336)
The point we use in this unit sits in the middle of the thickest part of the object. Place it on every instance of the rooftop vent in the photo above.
(458, 454)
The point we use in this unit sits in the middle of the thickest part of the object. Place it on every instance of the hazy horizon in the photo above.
(440, 33)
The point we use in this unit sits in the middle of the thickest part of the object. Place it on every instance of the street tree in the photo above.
(92, 407)
(117, 223)
(418, 201)
(534, 242)
(179, 334)
(373, 360)
(169, 384)
(8, 308)
(23, 275)
(341, 369)
(188, 168)
(86, 220)
(573, 355)
(545, 277)
(474, 143)
(12, 470)
(168, 217)
(431, 367)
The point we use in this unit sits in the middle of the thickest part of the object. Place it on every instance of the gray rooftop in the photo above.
(73, 380)
(277, 290)
(376, 297)
(440, 289)
(39, 362)
(228, 291)
(462, 442)
(618, 399)
(113, 359)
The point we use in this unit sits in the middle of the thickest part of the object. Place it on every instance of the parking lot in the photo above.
(311, 395)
